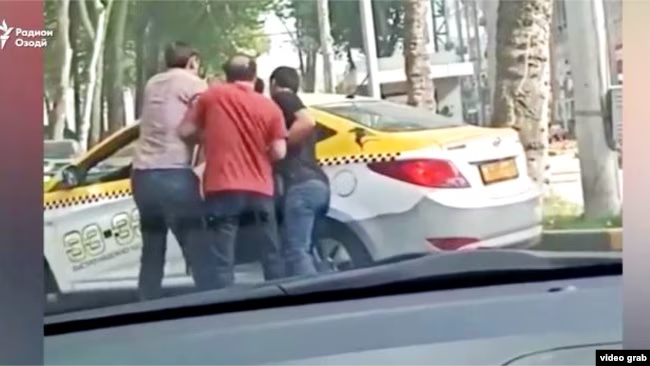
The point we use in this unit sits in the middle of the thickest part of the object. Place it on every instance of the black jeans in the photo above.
(170, 199)
(230, 213)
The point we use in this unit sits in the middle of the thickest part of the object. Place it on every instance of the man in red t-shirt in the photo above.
(243, 134)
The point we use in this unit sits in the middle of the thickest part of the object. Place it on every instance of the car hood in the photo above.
(548, 349)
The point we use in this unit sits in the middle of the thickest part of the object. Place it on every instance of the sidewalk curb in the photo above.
(582, 240)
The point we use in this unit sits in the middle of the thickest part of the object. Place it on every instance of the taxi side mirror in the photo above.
(71, 176)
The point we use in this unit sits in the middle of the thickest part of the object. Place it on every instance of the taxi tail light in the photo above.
(450, 244)
(432, 173)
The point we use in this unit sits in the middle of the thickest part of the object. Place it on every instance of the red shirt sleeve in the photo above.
(277, 127)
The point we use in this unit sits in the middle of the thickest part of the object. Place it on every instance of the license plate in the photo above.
(499, 171)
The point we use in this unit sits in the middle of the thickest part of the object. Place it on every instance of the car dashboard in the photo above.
(543, 323)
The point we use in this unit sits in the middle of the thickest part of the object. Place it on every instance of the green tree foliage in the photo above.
(216, 27)
(346, 25)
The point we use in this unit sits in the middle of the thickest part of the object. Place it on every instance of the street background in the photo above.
(440, 55)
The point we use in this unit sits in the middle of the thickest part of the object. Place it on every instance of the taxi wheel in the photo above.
(337, 248)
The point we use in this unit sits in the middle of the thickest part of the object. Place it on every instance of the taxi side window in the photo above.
(113, 168)
(323, 133)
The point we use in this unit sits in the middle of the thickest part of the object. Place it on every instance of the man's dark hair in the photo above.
(286, 77)
(240, 68)
(259, 85)
(178, 54)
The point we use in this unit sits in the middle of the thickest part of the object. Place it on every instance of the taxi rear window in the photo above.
(390, 117)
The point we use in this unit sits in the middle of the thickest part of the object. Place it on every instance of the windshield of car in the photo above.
(426, 154)
(390, 117)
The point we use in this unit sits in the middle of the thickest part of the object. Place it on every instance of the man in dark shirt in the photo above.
(306, 187)
(242, 133)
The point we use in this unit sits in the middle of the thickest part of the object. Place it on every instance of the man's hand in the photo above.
(278, 150)
(188, 130)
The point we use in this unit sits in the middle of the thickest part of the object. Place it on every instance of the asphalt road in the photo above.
(246, 275)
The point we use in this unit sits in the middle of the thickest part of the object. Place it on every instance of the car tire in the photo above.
(330, 231)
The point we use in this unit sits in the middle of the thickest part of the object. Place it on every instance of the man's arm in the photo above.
(303, 124)
(192, 123)
(301, 128)
(277, 135)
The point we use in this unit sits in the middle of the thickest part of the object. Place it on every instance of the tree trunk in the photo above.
(522, 89)
(309, 78)
(96, 125)
(75, 70)
(140, 79)
(93, 67)
(420, 87)
(147, 60)
(326, 43)
(46, 120)
(115, 70)
(63, 53)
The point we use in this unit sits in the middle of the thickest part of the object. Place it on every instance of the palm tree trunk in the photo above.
(522, 86)
(420, 89)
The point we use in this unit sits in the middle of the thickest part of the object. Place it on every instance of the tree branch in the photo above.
(85, 18)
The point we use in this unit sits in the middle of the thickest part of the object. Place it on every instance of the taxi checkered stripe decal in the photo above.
(356, 159)
(338, 160)
(86, 199)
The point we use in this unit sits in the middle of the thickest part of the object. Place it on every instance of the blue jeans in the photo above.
(304, 203)
(169, 199)
(231, 213)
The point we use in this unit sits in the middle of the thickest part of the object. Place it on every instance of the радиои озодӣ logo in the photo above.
(5, 32)
(30, 38)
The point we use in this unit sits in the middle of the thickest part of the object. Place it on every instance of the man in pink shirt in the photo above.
(165, 189)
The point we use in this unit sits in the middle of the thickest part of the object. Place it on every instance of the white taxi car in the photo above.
(403, 181)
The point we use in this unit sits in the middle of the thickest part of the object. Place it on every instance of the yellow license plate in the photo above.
(499, 171)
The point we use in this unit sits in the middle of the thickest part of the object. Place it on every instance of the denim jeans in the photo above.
(169, 199)
(231, 213)
(304, 203)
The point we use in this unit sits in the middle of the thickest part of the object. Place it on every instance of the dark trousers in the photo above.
(231, 213)
(169, 199)
(304, 203)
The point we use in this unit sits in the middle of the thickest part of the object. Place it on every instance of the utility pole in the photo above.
(473, 56)
(612, 21)
(598, 163)
(370, 48)
(482, 121)
(459, 30)
(326, 44)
